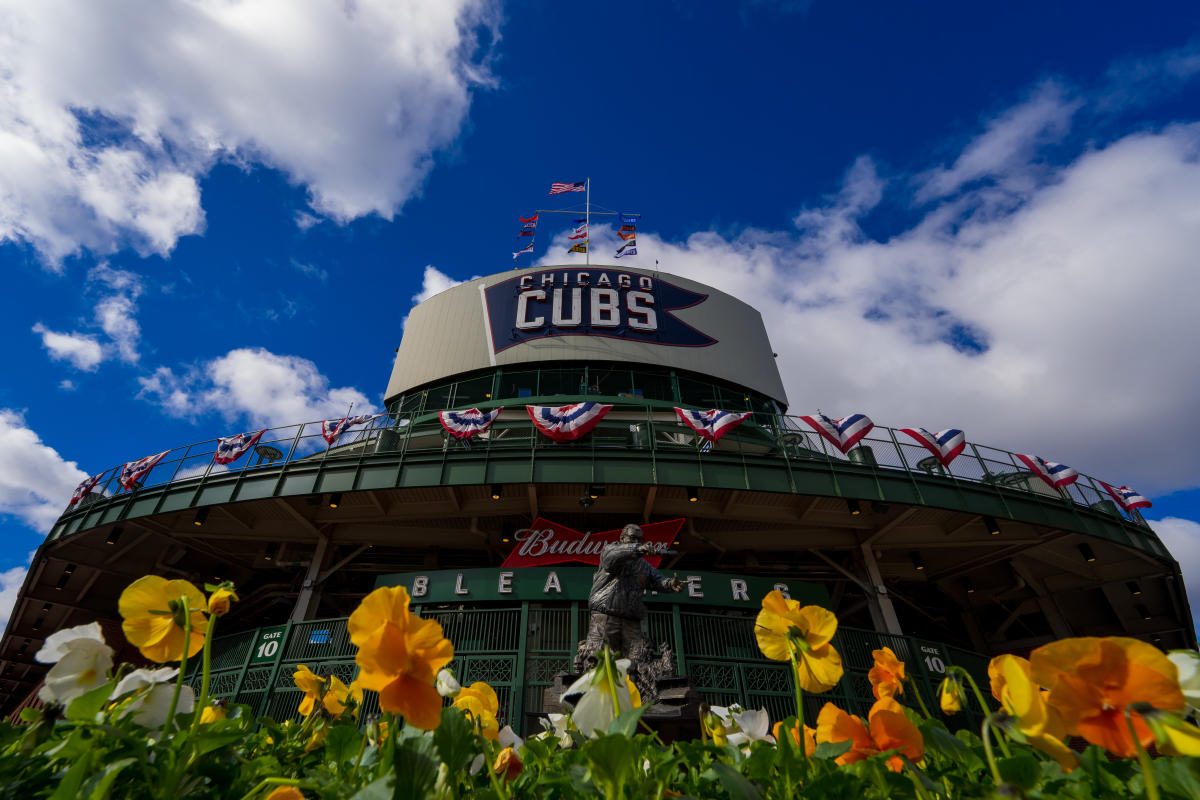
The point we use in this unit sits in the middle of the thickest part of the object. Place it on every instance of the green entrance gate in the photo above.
(519, 648)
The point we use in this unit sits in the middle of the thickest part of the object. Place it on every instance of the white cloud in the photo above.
(1182, 538)
(254, 385)
(35, 482)
(116, 308)
(109, 115)
(10, 586)
(81, 350)
(434, 282)
(67, 385)
(1060, 322)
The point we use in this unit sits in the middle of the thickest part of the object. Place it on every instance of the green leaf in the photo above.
(415, 774)
(1179, 776)
(30, 714)
(85, 707)
(831, 750)
(107, 776)
(626, 723)
(68, 787)
(1020, 770)
(375, 790)
(738, 787)
(454, 740)
(611, 758)
(342, 743)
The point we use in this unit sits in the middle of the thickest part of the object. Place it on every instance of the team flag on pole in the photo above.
(627, 232)
(331, 429)
(532, 219)
(580, 247)
(581, 230)
(1126, 498)
(629, 219)
(944, 445)
(232, 448)
(526, 249)
(528, 230)
(629, 249)
(560, 188)
(1055, 474)
(711, 424)
(567, 423)
(84, 489)
(842, 433)
(134, 471)
(465, 424)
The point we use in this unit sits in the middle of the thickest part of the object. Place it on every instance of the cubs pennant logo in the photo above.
(465, 424)
(944, 445)
(85, 488)
(1126, 498)
(134, 471)
(232, 448)
(1055, 474)
(711, 424)
(567, 423)
(842, 433)
(545, 543)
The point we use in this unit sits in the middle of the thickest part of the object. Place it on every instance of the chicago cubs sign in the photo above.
(591, 302)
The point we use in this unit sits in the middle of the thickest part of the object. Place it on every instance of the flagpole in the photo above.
(587, 219)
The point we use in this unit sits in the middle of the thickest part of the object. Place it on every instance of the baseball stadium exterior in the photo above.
(494, 534)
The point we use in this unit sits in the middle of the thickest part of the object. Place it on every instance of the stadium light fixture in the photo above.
(969, 586)
(917, 562)
(1134, 588)
(114, 534)
(693, 494)
(272, 551)
(854, 508)
(495, 491)
(1088, 554)
(1142, 611)
(201, 516)
(992, 526)
(335, 499)
(596, 490)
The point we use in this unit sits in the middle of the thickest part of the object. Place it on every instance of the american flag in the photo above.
(1127, 498)
(559, 188)
(527, 249)
(85, 488)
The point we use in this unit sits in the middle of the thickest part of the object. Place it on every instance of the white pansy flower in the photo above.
(56, 644)
(1188, 663)
(447, 684)
(82, 665)
(556, 726)
(593, 699)
(754, 725)
(508, 738)
(150, 706)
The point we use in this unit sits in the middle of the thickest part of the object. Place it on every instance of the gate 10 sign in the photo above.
(267, 644)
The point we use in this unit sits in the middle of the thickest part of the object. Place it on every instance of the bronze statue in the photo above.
(616, 600)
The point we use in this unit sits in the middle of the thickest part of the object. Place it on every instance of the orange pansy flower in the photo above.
(887, 728)
(887, 676)
(508, 764)
(1040, 723)
(810, 735)
(1093, 681)
(399, 655)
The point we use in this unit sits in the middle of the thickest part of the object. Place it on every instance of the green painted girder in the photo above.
(557, 464)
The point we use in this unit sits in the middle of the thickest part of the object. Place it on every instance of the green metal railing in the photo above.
(769, 452)
(519, 650)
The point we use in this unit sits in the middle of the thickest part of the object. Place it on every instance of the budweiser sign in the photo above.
(545, 543)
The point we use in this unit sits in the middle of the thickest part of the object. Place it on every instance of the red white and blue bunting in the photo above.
(465, 424)
(231, 448)
(133, 471)
(842, 433)
(331, 429)
(944, 445)
(711, 424)
(567, 423)
(1055, 474)
(85, 488)
(1126, 498)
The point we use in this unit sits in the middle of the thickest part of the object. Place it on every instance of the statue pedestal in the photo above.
(675, 716)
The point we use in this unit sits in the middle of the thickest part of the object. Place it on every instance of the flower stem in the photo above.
(916, 690)
(609, 669)
(799, 708)
(206, 670)
(187, 641)
(983, 706)
(1143, 759)
(986, 735)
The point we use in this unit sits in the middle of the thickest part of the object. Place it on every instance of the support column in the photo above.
(309, 598)
(880, 601)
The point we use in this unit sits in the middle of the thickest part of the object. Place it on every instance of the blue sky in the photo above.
(215, 216)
